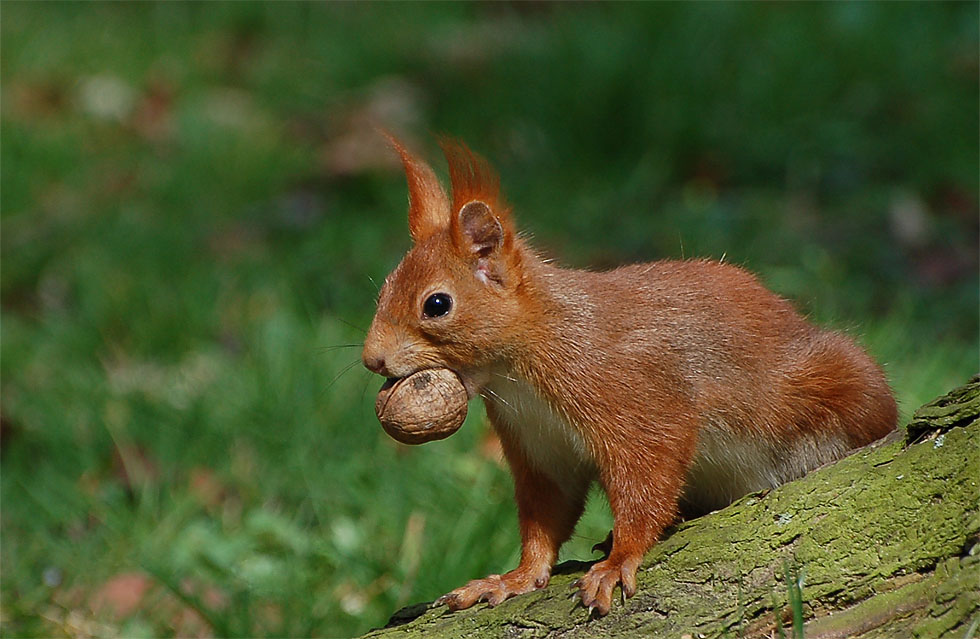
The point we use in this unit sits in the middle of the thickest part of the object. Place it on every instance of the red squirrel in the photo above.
(678, 385)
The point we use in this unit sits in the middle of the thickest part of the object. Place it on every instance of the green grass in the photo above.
(187, 267)
(794, 579)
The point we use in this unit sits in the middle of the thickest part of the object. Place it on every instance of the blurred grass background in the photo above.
(196, 207)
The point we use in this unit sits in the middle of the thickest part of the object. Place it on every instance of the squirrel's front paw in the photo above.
(596, 586)
(495, 588)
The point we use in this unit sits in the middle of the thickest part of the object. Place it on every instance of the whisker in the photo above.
(507, 377)
(376, 287)
(354, 326)
(499, 398)
(327, 349)
(341, 373)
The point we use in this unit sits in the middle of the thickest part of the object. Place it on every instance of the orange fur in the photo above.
(678, 386)
(472, 178)
(428, 206)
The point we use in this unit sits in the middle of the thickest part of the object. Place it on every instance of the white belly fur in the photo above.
(551, 444)
(727, 466)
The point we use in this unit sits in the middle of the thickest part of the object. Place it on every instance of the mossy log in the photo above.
(883, 543)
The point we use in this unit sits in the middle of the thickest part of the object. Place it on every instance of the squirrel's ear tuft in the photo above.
(428, 205)
(472, 178)
(481, 219)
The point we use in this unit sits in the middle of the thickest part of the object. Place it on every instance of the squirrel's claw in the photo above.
(445, 600)
(596, 586)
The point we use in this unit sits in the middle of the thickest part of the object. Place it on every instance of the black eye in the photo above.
(437, 305)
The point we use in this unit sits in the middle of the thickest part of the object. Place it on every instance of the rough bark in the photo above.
(885, 542)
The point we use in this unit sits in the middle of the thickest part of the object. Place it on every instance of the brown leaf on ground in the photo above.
(153, 118)
(491, 448)
(205, 487)
(129, 593)
(36, 99)
(121, 596)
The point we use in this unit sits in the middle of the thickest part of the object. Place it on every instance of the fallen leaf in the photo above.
(121, 596)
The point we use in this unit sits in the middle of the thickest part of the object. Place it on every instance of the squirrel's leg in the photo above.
(548, 513)
(642, 506)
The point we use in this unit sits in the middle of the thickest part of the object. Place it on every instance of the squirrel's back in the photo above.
(774, 395)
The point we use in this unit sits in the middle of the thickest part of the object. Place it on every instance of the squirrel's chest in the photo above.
(549, 443)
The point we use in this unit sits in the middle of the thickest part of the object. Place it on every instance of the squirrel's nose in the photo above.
(375, 363)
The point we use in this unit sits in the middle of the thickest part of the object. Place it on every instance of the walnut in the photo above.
(423, 407)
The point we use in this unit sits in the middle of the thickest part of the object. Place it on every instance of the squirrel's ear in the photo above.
(428, 205)
(477, 229)
(481, 220)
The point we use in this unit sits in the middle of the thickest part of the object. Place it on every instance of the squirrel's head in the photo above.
(453, 300)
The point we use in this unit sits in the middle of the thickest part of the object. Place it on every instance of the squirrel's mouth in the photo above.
(472, 388)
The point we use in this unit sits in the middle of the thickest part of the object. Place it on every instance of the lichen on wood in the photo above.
(885, 542)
